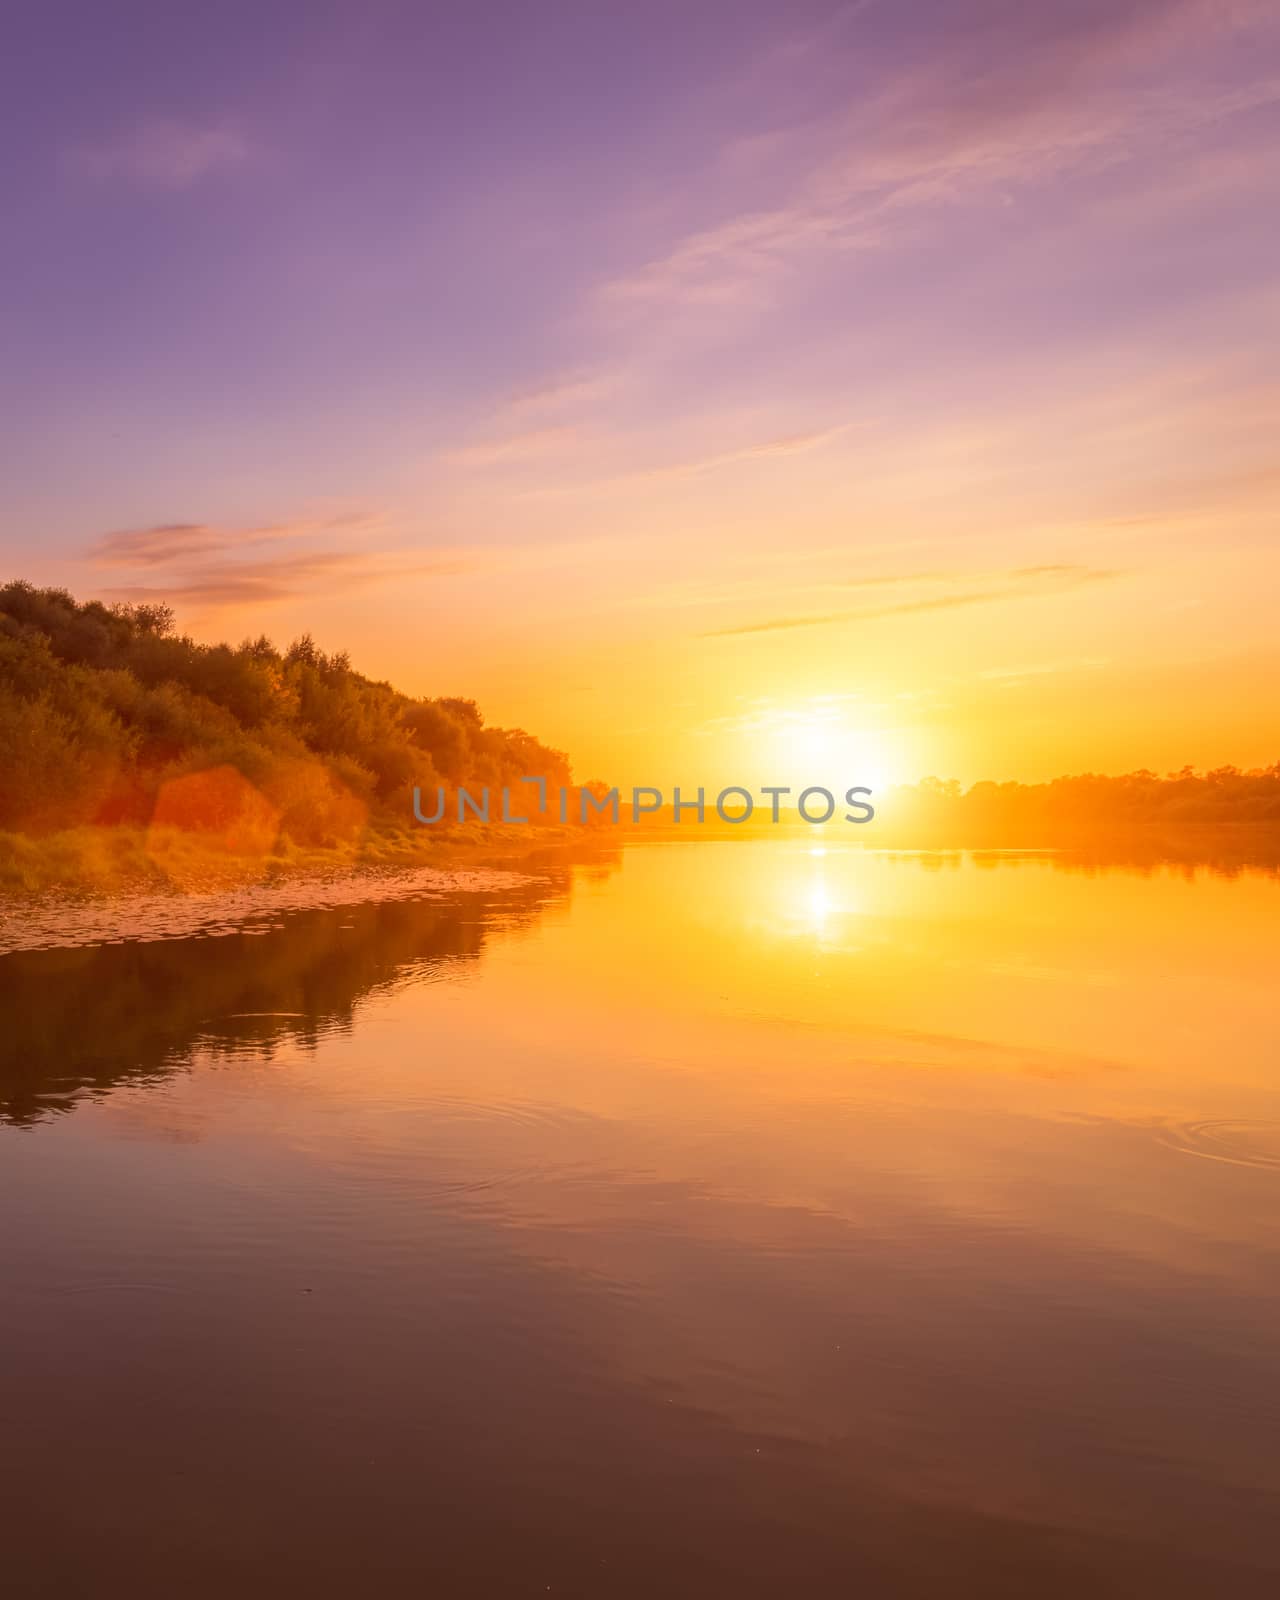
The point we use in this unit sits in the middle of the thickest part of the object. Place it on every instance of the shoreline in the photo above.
(113, 860)
(117, 860)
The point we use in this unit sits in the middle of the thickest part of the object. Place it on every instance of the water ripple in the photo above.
(1238, 1143)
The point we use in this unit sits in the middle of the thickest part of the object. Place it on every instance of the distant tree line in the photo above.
(1089, 801)
(105, 710)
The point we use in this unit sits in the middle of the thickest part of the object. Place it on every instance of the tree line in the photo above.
(1087, 801)
(108, 715)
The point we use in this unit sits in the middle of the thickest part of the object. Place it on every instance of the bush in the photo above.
(106, 714)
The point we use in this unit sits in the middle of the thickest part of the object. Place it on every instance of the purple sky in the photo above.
(593, 312)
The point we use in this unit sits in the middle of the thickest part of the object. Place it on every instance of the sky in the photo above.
(720, 391)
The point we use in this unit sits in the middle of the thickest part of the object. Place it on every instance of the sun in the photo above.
(826, 742)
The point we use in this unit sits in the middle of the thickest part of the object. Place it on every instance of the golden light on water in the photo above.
(819, 895)
(819, 906)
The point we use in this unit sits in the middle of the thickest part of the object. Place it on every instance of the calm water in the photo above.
(715, 1220)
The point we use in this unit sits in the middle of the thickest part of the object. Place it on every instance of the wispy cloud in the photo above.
(557, 414)
(531, 444)
(1014, 677)
(782, 445)
(560, 392)
(940, 603)
(791, 444)
(206, 565)
(167, 542)
(1009, 98)
(1025, 583)
(245, 583)
(164, 153)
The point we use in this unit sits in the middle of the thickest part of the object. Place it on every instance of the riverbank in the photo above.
(121, 859)
(118, 859)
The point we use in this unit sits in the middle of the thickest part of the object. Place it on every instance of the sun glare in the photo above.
(823, 742)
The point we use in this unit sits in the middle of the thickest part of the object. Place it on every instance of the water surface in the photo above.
(714, 1219)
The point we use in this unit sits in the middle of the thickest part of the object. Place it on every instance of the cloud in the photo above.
(268, 582)
(941, 603)
(561, 392)
(146, 547)
(168, 542)
(243, 572)
(539, 443)
(529, 445)
(724, 589)
(725, 265)
(790, 444)
(1072, 574)
(540, 420)
(165, 154)
(1012, 677)
(1007, 96)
